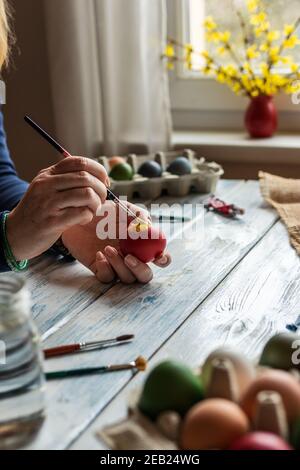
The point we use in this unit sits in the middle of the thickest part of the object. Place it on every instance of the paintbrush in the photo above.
(111, 196)
(85, 346)
(139, 364)
(170, 218)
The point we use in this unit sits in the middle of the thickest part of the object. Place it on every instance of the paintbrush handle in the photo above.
(61, 350)
(66, 374)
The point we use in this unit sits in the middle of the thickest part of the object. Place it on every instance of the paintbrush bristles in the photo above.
(141, 363)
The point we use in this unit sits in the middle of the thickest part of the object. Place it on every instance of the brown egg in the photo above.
(213, 424)
(274, 381)
(113, 161)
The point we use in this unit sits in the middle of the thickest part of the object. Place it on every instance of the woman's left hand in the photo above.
(102, 256)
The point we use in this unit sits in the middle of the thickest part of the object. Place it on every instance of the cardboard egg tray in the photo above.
(137, 432)
(203, 179)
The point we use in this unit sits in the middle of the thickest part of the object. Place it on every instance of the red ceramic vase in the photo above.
(261, 118)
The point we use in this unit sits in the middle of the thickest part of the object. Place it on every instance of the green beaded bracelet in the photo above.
(14, 265)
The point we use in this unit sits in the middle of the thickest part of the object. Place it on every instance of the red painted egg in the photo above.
(260, 441)
(145, 242)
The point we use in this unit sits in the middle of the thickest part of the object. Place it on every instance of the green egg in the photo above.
(295, 438)
(171, 386)
(122, 172)
(279, 352)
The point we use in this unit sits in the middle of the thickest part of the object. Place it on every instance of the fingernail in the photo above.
(163, 261)
(131, 261)
(107, 182)
(100, 256)
(111, 252)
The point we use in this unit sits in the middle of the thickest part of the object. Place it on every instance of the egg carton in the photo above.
(203, 179)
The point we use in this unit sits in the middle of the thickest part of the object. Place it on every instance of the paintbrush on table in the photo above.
(85, 346)
(140, 364)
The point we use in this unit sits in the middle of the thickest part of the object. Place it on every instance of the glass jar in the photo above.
(21, 373)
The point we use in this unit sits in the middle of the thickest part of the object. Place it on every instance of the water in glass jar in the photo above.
(21, 375)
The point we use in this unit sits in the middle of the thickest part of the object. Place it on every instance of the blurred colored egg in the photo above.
(278, 352)
(113, 161)
(150, 169)
(274, 381)
(244, 369)
(295, 438)
(180, 167)
(260, 441)
(213, 424)
(171, 386)
(122, 172)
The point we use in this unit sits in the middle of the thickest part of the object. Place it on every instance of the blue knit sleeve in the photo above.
(12, 188)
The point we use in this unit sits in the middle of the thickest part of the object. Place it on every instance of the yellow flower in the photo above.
(273, 36)
(170, 51)
(205, 55)
(274, 54)
(189, 48)
(289, 29)
(225, 36)
(291, 42)
(264, 47)
(252, 5)
(264, 69)
(262, 28)
(247, 67)
(294, 68)
(170, 66)
(254, 93)
(216, 36)
(222, 50)
(258, 19)
(285, 59)
(230, 70)
(252, 52)
(210, 24)
(236, 88)
(221, 77)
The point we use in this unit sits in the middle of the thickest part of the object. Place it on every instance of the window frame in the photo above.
(195, 100)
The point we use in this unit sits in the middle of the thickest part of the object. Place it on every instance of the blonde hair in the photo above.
(4, 32)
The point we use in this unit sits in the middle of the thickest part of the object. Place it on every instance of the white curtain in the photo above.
(109, 85)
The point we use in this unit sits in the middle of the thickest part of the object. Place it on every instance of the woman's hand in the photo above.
(66, 194)
(102, 256)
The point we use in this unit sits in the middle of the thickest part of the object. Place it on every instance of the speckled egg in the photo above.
(150, 169)
(213, 424)
(180, 166)
(274, 381)
(278, 352)
(122, 172)
(113, 161)
(243, 368)
(170, 386)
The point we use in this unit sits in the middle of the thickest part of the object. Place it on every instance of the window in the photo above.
(200, 102)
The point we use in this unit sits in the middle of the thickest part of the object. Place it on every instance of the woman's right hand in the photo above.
(66, 194)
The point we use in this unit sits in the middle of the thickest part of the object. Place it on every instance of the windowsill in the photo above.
(242, 157)
(230, 146)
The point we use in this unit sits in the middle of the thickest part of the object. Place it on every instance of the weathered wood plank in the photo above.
(152, 312)
(257, 299)
(61, 291)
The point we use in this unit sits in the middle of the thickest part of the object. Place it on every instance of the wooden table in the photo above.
(237, 283)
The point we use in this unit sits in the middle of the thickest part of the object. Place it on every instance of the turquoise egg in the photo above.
(180, 167)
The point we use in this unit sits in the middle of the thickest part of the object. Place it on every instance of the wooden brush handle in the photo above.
(61, 350)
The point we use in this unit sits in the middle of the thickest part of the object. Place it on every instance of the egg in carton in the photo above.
(176, 172)
(245, 406)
